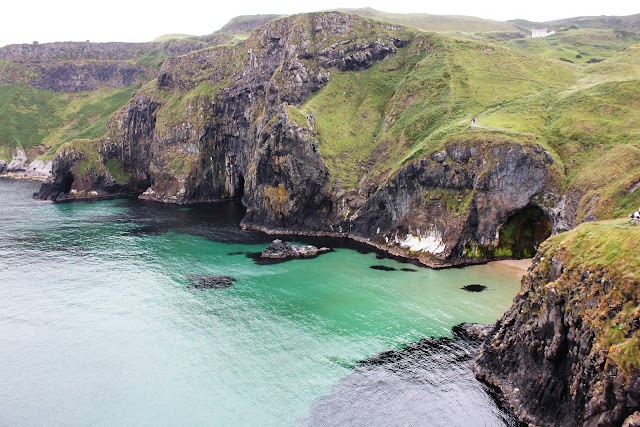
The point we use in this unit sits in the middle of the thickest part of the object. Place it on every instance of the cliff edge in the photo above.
(568, 350)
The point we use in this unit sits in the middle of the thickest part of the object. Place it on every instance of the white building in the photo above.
(540, 32)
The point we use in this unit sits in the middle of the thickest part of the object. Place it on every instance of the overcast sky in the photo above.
(143, 20)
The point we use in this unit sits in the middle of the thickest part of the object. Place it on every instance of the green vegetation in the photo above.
(609, 246)
(154, 58)
(178, 107)
(370, 123)
(297, 117)
(435, 23)
(579, 46)
(44, 120)
(406, 106)
(244, 24)
(168, 37)
(116, 171)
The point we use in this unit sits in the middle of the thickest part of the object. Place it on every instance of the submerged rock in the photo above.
(205, 281)
(475, 287)
(382, 268)
(281, 250)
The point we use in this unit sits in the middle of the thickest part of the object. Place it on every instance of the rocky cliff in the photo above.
(224, 122)
(568, 350)
(78, 66)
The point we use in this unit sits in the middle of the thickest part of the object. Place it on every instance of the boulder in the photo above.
(280, 250)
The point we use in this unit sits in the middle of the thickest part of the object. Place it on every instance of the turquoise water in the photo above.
(98, 325)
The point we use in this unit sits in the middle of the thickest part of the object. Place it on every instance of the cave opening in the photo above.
(67, 182)
(523, 232)
(240, 187)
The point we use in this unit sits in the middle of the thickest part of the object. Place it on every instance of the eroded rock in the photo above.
(205, 281)
(282, 250)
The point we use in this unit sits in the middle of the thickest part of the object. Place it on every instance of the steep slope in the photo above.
(322, 124)
(592, 125)
(568, 351)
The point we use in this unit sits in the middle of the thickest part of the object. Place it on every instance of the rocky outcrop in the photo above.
(249, 140)
(77, 175)
(282, 250)
(81, 66)
(203, 281)
(452, 205)
(565, 353)
(74, 51)
(20, 167)
(222, 123)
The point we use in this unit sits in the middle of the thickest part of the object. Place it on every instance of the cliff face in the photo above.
(453, 205)
(224, 123)
(77, 66)
(567, 351)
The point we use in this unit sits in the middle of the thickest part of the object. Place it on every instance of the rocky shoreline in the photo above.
(391, 251)
(556, 356)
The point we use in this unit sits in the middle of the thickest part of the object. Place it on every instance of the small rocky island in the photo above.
(283, 250)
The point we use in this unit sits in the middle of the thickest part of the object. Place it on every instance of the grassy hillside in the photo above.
(578, 46)
(625, 23)
(407, 106)
(42, 120)
(244, 24)
(436, 23)
(575, 93)
(593, 124)
(167, 37)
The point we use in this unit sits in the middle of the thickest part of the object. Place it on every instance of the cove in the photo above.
(99, 324)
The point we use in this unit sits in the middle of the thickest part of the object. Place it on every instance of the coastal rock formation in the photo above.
(566, 352)
(281, 250)
(81, 66)
(20, 167)
(455, 204)
(223, 123)
(204, 281)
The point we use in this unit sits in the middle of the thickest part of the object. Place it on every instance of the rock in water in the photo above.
(281, 250)
(474, 288)
(382, 268)
(204, 281)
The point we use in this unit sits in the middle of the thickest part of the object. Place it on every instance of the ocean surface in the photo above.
(99, 325)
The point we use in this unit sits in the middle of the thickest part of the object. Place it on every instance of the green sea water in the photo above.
(98, 325)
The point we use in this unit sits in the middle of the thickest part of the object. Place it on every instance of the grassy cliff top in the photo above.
(612, 245)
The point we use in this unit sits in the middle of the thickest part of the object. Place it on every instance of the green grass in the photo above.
(579, 46)
(42, 120)
(405, 107)
(436, 23)
(297, 117)
(116, 171)
(153, 59)
(178, 107)
(168, 37)
(609, 246)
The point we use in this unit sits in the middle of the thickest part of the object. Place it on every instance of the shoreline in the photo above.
(513, 266)
(23, 176)
(518, 266)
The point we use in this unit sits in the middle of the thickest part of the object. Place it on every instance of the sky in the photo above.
(143, 20)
